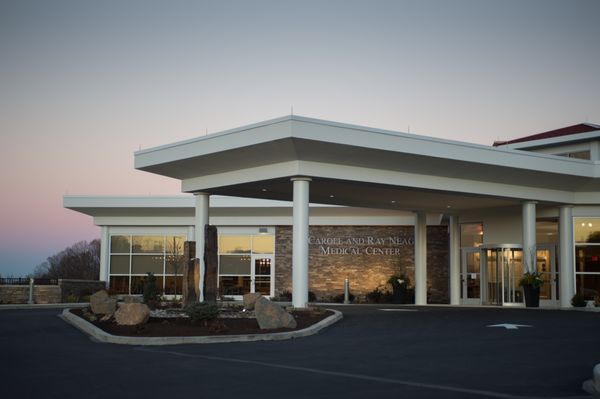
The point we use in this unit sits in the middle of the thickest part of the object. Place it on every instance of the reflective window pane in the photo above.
(175, 245)
(174, 264)
(471, 234)
(588, 285)
(587, 258)
(262, 285)
(119, 244)
(234, 285)
(119, 264)
(546, 232)
(148, 244)
(142, 264)
(263, 244)
(262, 266)
(137, 284)
(232, 264)
(234, 244)
(173, 285)
(587, 230)
(119, 284)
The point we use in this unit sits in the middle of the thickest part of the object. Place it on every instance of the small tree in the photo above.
(175, 259)
(151, 292)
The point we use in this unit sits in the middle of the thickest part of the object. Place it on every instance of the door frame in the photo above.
(253, 275)
(553, 302)
(464, 252)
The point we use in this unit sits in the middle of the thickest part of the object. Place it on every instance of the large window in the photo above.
(587, 257)
(471, 234)
(133, 256)
(246, 263)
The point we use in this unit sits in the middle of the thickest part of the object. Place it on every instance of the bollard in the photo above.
(30, 301)
(346, 290)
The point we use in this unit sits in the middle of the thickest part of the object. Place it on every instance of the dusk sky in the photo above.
(84, 84)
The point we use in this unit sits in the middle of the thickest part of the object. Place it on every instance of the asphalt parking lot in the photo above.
(433, 352)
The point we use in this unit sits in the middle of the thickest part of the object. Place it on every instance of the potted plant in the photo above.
(531, 283)
(399, 284)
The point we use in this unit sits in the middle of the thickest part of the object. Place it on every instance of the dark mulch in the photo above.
(180, 327)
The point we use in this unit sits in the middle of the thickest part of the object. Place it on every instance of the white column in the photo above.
(566, 273)
(191, 233)
(529, 245)
(300, 242)
(454, 260)
(104, 255)
(420, 258)
(200, 220)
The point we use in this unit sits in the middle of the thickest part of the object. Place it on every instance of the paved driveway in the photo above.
(435, 352)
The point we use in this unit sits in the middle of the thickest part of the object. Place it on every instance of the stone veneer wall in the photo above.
(50, 293)
(366, 255)
(20, 294)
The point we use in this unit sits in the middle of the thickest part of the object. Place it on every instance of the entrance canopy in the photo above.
(366, 167)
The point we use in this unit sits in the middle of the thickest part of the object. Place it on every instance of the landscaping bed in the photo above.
(184, 327)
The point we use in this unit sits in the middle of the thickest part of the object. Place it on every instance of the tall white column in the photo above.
(454, 260)
(200, 220)
(420, 258)
(300, 242)
(104, 255)
(529, 245)
(566, 273)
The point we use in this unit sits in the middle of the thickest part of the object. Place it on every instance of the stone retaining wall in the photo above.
(65, 291)
(366, 255)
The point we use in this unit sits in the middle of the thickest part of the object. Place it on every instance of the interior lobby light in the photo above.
(589, 224)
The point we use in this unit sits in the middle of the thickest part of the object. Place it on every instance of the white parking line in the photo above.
(351, 375)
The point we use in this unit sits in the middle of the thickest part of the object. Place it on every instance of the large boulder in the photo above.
(102, 303)
(250, 300)
(131, 314)
(271, 315)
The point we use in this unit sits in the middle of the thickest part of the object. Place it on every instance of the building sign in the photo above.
(367, 245)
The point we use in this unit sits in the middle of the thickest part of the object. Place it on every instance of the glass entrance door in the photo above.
(546, 265)
(262, 274)
(470, 276)
(503, 268)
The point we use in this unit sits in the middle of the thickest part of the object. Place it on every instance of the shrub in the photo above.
(202, 311)
(312, 297)
(578, 301)
(151, 293)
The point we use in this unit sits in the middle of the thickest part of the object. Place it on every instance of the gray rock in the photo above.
(250, 300)
(270, 315)
(131, 314)
(102, 303)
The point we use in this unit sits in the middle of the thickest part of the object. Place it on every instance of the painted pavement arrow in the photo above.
(509, 326)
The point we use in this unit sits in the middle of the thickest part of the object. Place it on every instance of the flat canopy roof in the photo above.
(366, 167)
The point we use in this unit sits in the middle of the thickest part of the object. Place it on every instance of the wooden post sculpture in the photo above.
(211, 262)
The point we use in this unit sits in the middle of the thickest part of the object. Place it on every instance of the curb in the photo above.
(43, 305)
(103, 336)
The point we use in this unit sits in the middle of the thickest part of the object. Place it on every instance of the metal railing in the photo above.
(25, 281)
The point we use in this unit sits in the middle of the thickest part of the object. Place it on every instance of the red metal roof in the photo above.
(565, 131)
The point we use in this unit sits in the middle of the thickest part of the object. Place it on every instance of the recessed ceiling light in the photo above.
(393, 201)
(263, 190)
(448, 206)
(331, 196)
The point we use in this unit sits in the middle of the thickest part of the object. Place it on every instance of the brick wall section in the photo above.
(366, 255)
